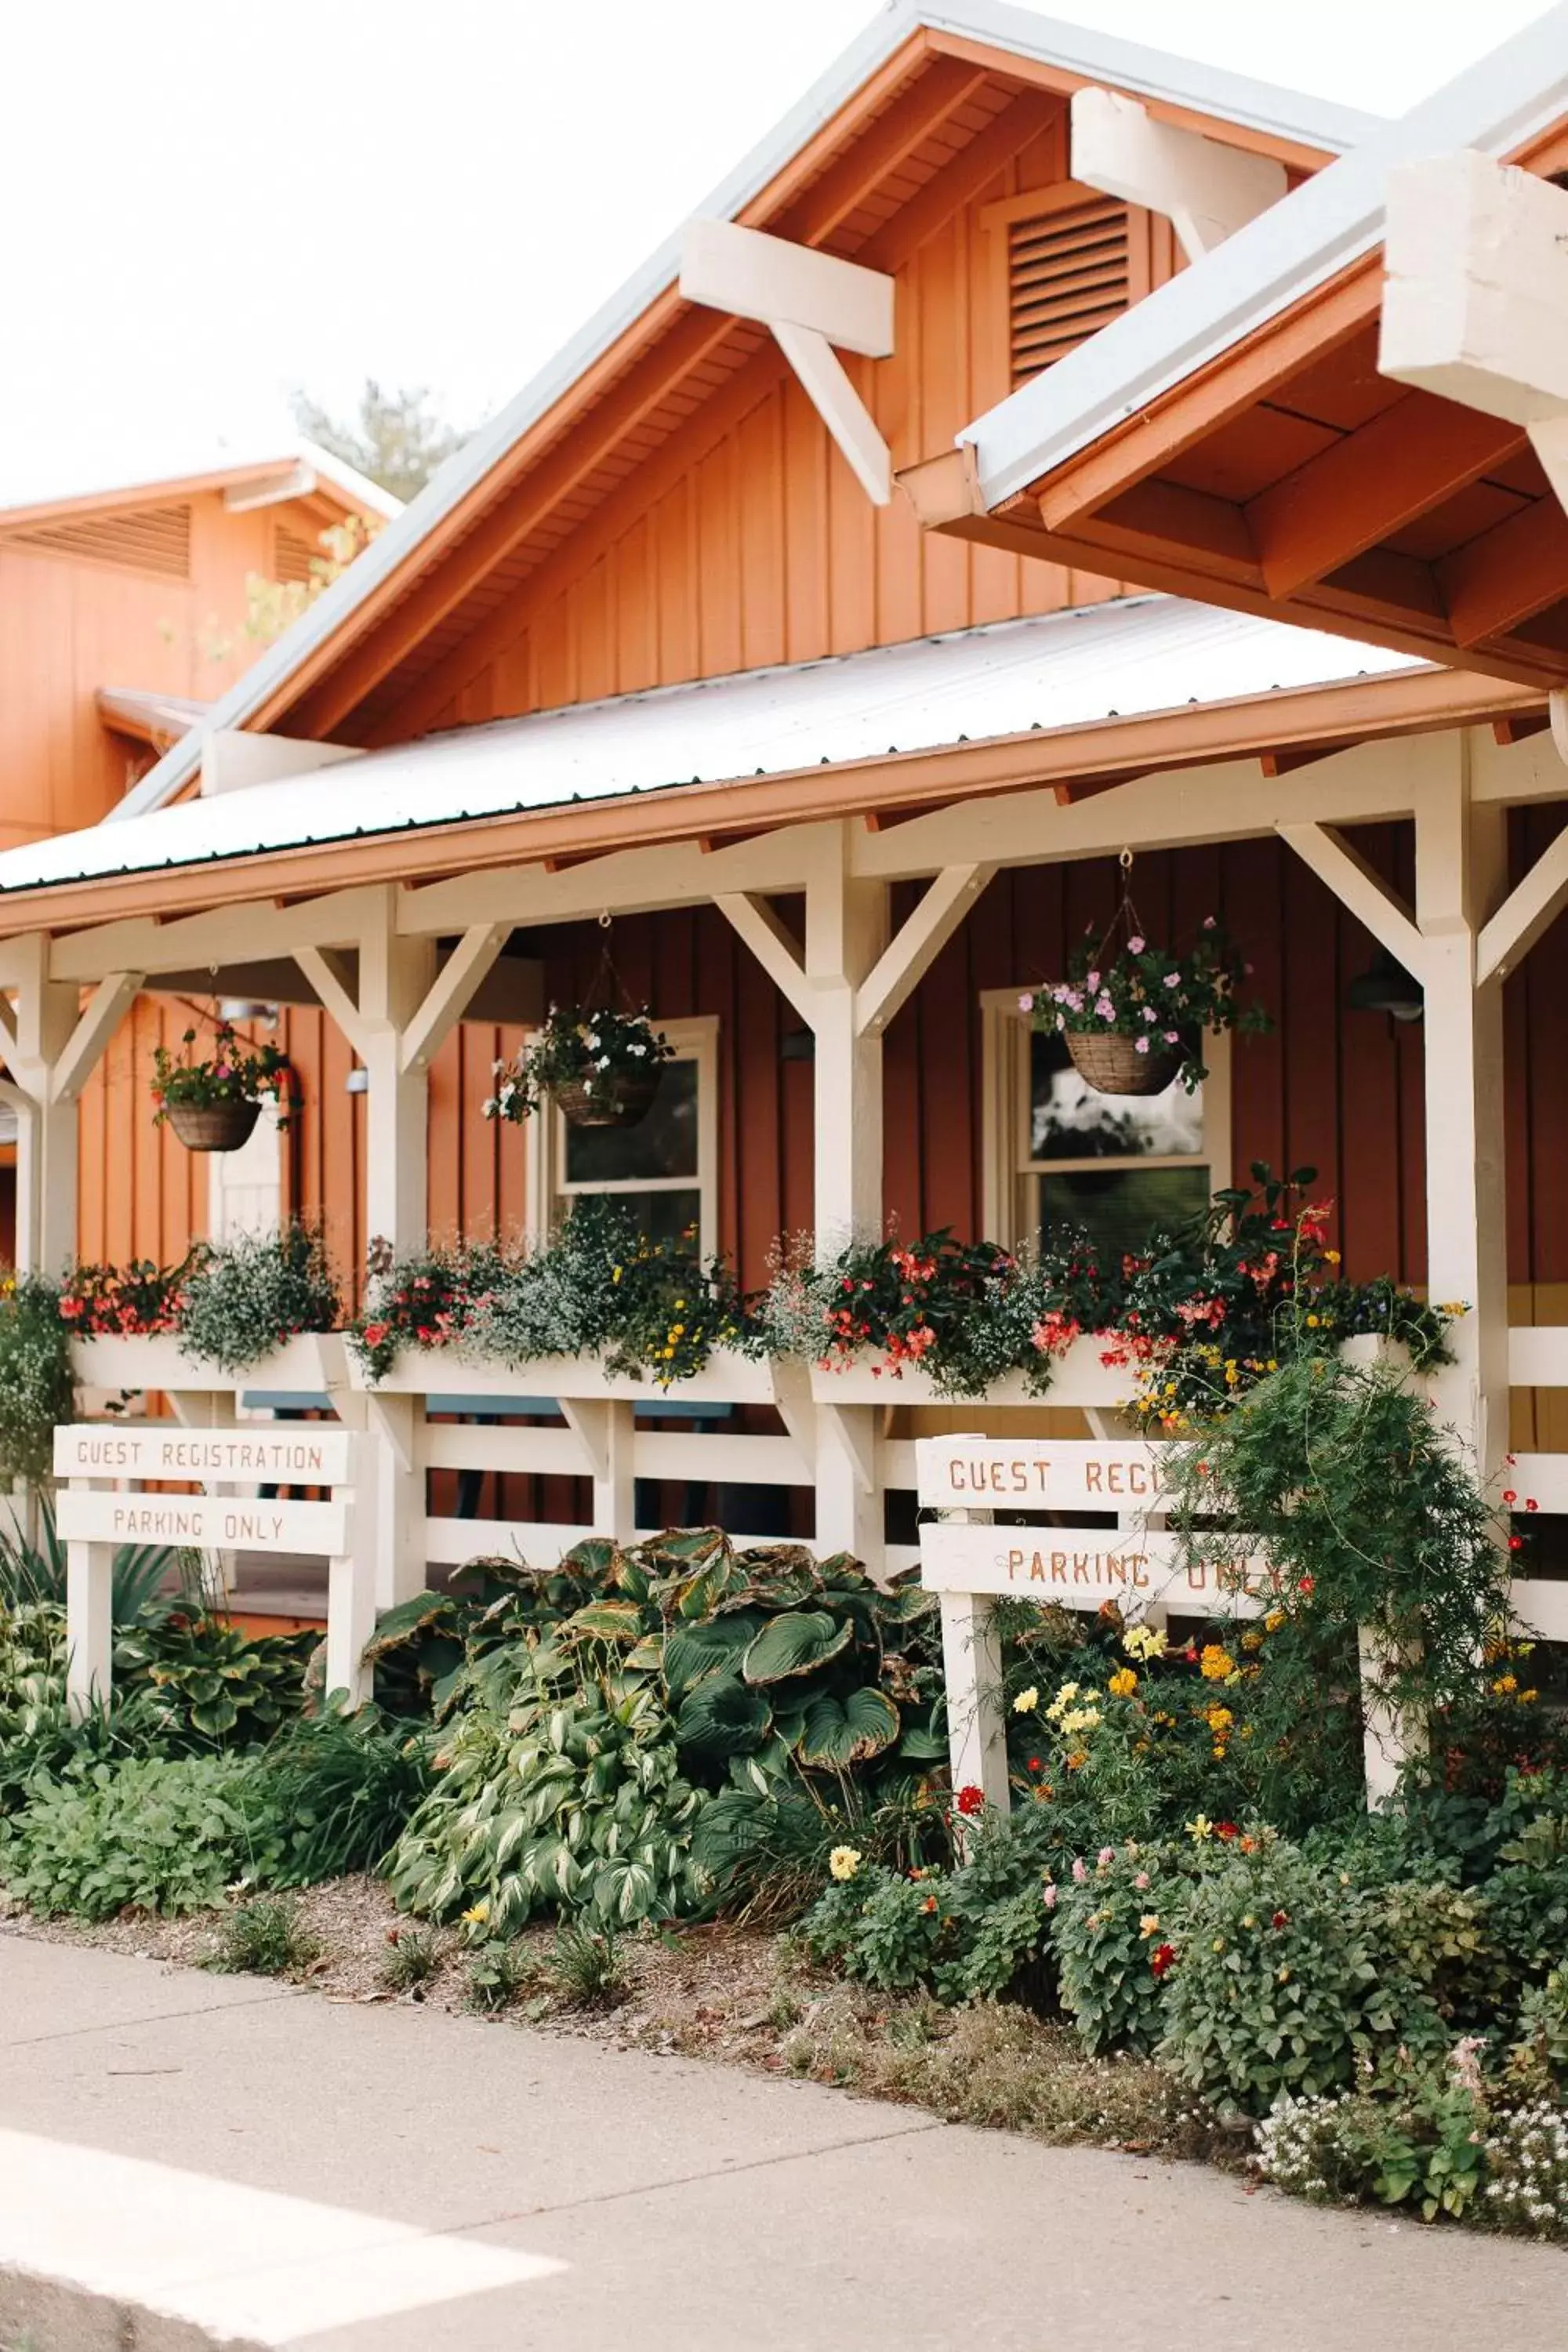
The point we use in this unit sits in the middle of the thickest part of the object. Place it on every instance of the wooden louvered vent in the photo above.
(292, 556)
(1068, 275)
(145, 538)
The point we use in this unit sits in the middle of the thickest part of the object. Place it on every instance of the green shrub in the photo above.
(34, 1573)
(412, 1959)
(247, 1297)
(1274, 1987)
(337, 1791)
(1113, 1944)
(1424, 2145)
(153, 1833)
(213, 1682)
(587, 1967)
(263, 1938)
(35, 1386)
(497, 1972)
(1526, 2189)
(878, 1925)
(1538, 2061)
(42, 1741)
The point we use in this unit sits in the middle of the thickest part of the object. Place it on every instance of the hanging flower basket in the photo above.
(214, 1127)
(213, 1102)
(1112, 1064)
(624, 1100)
(601, 1066)
(1131, 1016)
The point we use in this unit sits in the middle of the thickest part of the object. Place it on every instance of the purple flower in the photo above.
(1135, 947)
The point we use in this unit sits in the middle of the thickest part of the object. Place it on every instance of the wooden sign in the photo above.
(1082, 1567)
(289, 1454)
(202, 1522)
(1035, 1474)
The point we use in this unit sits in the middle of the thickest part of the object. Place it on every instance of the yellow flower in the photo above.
(844, 1862)
(1252, 1642)
(1123, 1683)
(1248, 1921)
(1312, 1322)
(1216, 1664)
(1218, 1718)
(1200, 1827)
(477, 1916)
(1219, 1943)
(1275, 1619)
(1148, 1925)
(1145, 1642)
(1219, 1752)
(617, 1274)
(1027, 1701)
(1281, 1976)
(1330, 1258)
(1528, 1697)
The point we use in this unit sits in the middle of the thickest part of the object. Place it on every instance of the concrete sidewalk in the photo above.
(271, 2169)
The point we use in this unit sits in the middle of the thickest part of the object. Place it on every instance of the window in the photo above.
(665, 1168)
(1068, 255)
(1058, 1155)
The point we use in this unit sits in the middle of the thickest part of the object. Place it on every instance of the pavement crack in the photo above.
(688, 2180)
(164, 2017)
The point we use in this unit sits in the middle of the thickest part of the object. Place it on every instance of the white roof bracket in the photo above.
(1205, 189)
(811, 302)
(233, 760)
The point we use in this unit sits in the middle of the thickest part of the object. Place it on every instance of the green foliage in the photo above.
(394, 440)
(214, 1682)
(591, 1048)
(1275, 1987)
(263, 1938)
(497, 1972)
(249, 1294)
(126, 1301)
(336, 1792)
(878, 1925)
(234, 1072)
(1423, 2146)
(1113, 1922)
(587, 1967)
(148, 1833)
(36, 1391)
(1538, 2060)
(413, 1957)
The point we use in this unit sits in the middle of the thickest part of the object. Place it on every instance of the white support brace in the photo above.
(811, 300)
(1476, 296)
(233, 760)
(1529, 910)
(451, 991)
(910, 955)
(771, 944)
(328, 975)
(1368, 896)
(101, 1018)
(1206, 190)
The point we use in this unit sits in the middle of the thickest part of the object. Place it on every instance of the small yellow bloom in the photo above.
(1219, 1718)
(477, 1915)
(1145, 1642)
(1330, 1258)
(1148, 1925)
(1027, 1701)
(844, 1862)
(1123, 1683)
(1216, 1664)
(1219, 1943)
(1200, 1827)
(1275, 1619)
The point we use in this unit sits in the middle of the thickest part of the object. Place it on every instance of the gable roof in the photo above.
(903, 41)
(1232, 439)
(222, 470)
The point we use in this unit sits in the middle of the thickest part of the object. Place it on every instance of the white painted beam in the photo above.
(328, 975)
(770, 941)
(908, 956)
(452, 994)
(1207, 190)
(233, 760)
(100, 1019)
(1368, 896)
(1528, 911)
(841, 409)
(1475, 294)
(727, 267)
(298, 481)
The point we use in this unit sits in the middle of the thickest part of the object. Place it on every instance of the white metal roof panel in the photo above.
(1296, 244)
(1124, 65)
(1062, 669)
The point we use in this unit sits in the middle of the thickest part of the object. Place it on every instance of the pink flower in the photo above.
(1172, 978)
(1172, 1038)
(1135, 947)
(1208, 922)
(1140, 1044)
(1049, 1898)
(1025, 1005)
(1141, 1881)
(1078, 1873)
(1107, 1854)
(1091, 980)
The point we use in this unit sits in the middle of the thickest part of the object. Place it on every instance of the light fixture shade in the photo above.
(1386, 987)
(247, 1008)
(357, 1082)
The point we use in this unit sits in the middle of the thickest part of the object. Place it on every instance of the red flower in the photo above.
(1225, 1829)
(1531, 1504)
(1307, 1584)
(1509, 1495)
(1034, 1763)
(1161, 1957)
(1516, 1543)
(930, 1903)
(1281, 1920)
(970, 1800)
(374, 1333)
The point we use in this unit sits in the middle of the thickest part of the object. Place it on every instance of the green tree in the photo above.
(393, 440)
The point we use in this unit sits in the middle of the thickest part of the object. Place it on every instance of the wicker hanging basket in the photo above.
(1112, 1064)
(215, 1126)
(624, 1100)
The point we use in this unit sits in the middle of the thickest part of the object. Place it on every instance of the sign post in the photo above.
(104, 1503)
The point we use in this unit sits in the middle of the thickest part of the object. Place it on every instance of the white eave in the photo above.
(1126, 65)
(1495, 106)
(1130, 659)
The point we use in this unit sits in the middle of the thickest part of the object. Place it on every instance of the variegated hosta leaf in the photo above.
(796, 1644)
(692, 1651)
(722, 1717)
(842, 1731)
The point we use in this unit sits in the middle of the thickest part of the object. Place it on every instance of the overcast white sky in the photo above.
(203, 206)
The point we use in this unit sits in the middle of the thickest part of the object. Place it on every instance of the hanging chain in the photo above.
(1125, 919)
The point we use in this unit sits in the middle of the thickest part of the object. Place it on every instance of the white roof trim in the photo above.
(188, 465)
(1125, 64)
(1139, 658)
(1494, 106)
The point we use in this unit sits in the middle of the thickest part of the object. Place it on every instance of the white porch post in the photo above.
(34, 1045)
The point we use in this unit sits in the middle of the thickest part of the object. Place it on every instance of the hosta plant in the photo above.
(213, 1682)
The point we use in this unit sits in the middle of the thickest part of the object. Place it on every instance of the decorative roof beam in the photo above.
(811, 302)
(270, 489)
(1206, 190)
(233, 760)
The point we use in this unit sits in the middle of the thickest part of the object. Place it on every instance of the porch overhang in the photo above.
(1232, 436)
(1077, 703)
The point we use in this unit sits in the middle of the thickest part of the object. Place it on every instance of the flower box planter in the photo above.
(726, 1379)
(311, 1362)
(1079, 1378)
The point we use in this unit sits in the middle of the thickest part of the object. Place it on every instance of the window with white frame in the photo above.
(1059, 1156)
(664, 1169)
